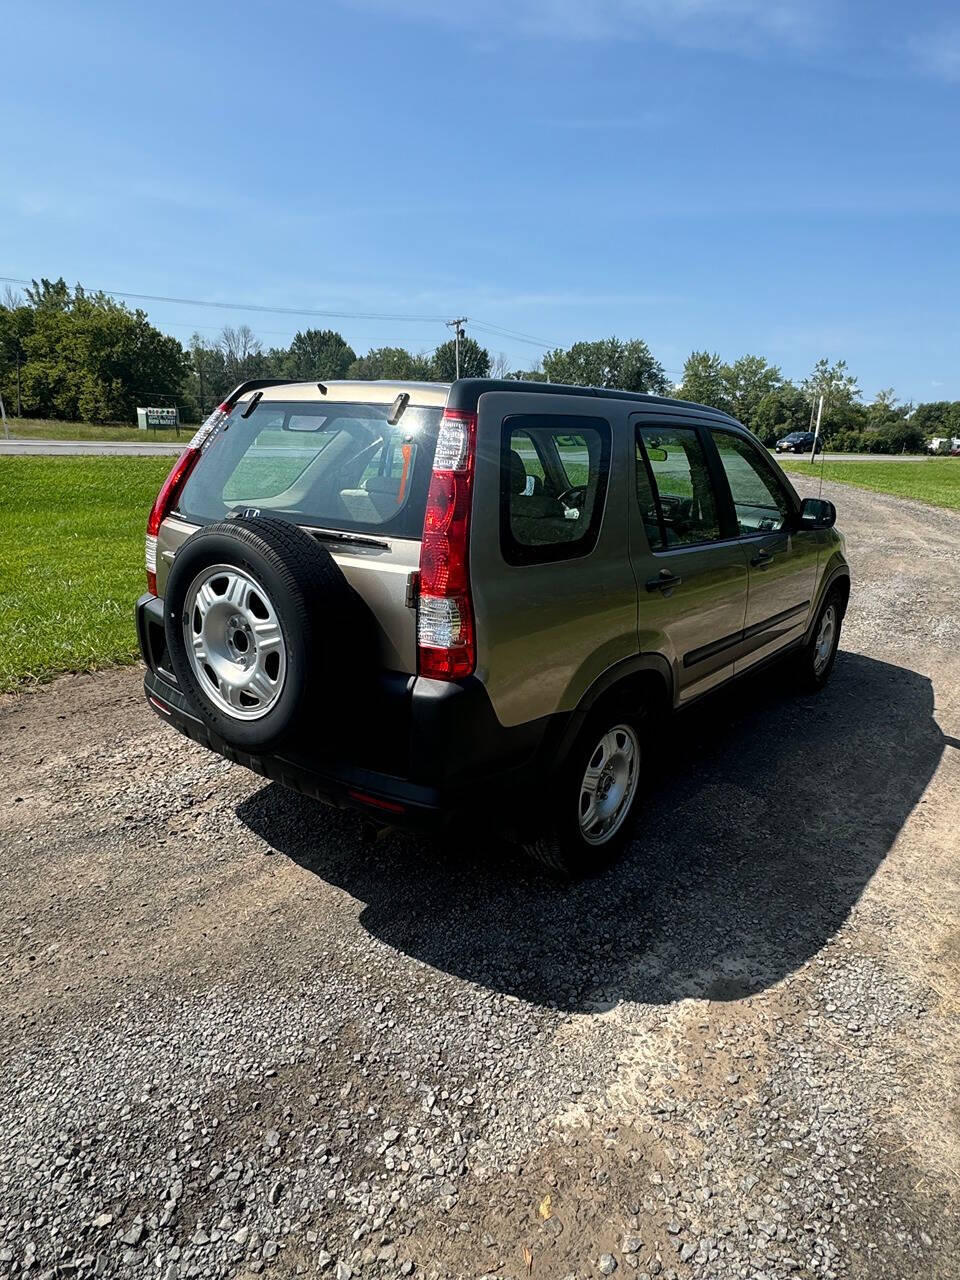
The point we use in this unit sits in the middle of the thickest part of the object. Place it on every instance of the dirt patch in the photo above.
(237, 1041)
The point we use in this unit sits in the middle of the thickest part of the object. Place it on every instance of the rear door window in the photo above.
(554, 472)
(341, 466)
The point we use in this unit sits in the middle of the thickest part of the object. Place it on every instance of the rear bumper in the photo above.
(434, 749)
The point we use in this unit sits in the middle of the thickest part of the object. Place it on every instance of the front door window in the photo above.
(759, 500)
(674, 488)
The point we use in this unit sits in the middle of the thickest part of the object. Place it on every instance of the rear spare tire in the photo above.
(259, 621)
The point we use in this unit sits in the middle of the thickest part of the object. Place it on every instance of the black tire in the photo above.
(812, 674)
(324, 624)
(555, 839)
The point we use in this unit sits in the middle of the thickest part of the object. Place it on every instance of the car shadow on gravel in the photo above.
(766, 815)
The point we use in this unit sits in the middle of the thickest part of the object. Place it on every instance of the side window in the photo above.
(760, 501)
(674, 488)
(553, 481)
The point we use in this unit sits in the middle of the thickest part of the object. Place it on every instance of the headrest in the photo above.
(518, 473)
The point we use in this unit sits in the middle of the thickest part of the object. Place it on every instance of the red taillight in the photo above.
(166, 500)
(172, 486)
(445, 634)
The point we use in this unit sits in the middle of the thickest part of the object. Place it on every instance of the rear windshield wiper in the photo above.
(357, 539)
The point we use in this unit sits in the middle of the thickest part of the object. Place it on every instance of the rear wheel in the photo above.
(590, 805)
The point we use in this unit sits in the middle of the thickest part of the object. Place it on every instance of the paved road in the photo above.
(855, 457)
(237, 1041)
(134, 448)
(95, 448)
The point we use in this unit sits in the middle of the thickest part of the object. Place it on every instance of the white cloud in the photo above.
(938, 53)
(744, 25)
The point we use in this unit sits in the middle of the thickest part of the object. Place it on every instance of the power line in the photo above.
(399, 317)
(499, 332)
(251, 306)
(272, 333)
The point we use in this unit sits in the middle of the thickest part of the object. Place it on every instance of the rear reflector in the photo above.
(377, 802)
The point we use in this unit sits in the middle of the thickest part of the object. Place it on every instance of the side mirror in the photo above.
(817, 513)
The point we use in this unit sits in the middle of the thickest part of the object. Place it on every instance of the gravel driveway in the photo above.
(235, 1040)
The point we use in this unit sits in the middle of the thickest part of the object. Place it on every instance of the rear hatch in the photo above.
(351, 467)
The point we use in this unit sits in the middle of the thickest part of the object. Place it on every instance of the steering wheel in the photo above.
(574, 497)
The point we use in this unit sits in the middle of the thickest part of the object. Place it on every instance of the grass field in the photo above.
(71, 561)
(936, 480)
(44, 429)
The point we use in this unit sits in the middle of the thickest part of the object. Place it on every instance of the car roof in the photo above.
(466, 392)
(379, 392)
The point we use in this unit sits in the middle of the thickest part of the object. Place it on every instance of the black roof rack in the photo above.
(465, 393)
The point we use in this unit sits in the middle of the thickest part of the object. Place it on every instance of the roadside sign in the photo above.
(158, 418)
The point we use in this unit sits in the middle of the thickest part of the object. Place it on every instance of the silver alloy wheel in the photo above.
(609, 784)
(826, 637)
(234, 642)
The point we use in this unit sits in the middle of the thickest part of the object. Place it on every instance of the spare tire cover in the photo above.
(260, 624)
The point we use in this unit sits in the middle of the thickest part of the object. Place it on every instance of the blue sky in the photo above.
(772, 176)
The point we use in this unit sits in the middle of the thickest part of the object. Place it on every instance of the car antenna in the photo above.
(322, 387)
(397, 408)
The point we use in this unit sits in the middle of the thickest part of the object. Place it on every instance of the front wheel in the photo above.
(816, 659)
(588, 811)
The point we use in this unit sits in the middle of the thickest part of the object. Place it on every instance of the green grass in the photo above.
(44, 429)
(936, 481)
(71, 561)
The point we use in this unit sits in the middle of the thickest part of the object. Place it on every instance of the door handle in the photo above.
(763, 557)
(665, 580)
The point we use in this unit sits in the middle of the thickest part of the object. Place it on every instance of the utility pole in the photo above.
(199, 359)
(457, 327)
(3, 415)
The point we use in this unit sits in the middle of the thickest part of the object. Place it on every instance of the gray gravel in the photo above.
(236, 1041)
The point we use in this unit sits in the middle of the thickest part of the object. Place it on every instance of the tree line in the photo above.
(84, 356)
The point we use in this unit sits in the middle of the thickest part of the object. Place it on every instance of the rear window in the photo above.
(553, 480)
(340, 466)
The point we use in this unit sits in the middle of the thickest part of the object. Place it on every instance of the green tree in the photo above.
(209, 383)
(705, 380)
(884, 410)
(393, 363)
(779, 412)
(748, 380)
(474, 361)
(16, 325)
(318, 354)
(89, 357)
(609, 362)
(54, 295)
(938, 417)
(243, 355)
(842, 409)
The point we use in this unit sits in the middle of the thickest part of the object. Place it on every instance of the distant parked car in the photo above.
(799, 442)
(945, 446)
